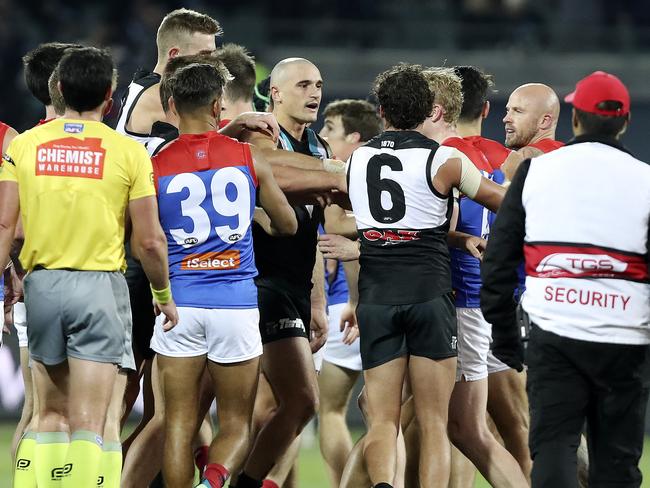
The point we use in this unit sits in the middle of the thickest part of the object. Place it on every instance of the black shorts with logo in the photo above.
(426, 329)
(284, 312)
(141, 307)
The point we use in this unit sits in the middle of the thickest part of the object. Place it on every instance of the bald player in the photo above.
(531, 118)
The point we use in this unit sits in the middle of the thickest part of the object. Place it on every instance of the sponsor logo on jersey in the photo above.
(83, 158)
(579, 264)
(23, 464)
(100, 481)
(201, 154)
(7, 159)
(391, 236)
(73, 128)
(211, 261)
(60, 472)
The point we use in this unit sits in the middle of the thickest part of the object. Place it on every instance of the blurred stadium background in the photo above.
(554, 41)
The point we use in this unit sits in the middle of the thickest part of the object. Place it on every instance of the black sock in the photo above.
(383, 485)
(245, 481)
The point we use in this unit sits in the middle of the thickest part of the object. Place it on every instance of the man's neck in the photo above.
(197, 125)
(292, 126)
(50, 113)
(419, 128)
(469, 129)
(541, 135)
(235, 109)
(160, 67)
(444, 132)
(93, 115)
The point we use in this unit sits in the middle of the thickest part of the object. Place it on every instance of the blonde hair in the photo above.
(178, 25)
(447, 90)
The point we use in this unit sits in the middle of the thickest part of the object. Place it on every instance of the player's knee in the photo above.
(303, 405)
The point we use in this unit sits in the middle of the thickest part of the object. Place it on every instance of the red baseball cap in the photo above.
(596, 88)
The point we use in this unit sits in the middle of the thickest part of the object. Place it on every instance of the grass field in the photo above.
(312, 469)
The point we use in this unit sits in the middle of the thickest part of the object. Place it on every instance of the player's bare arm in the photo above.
(319, 325)
(9, 209)
(150, 246)
(282, 218)
(461, 174)
(338, 221)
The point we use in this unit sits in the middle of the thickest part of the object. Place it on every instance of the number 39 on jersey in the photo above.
(196, 206)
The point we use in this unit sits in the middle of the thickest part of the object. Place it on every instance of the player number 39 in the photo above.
(191, 207)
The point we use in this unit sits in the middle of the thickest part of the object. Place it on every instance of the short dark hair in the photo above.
(86, 75)
(476, 86)
(241, 65)
(602, 125)
(174, 64)
(196, 86)
(38, 66)
(357, 116)
(404, 95)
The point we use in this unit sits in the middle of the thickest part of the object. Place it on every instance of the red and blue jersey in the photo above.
(473, 219)
(206, 186)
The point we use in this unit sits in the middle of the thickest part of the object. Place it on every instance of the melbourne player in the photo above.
(532, 113)
(206, 207)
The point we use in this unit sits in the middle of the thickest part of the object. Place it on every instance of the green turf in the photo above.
(312, 469)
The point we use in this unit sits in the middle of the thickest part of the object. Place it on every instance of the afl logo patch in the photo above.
(71, 128)
(201, 154)
(190, 241)
(234, 237)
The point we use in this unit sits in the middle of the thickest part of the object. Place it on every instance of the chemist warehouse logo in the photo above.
(83, 158)
(211, 261)
(544, 261)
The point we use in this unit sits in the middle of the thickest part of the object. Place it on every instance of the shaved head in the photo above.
(296, 90)
(532, 113)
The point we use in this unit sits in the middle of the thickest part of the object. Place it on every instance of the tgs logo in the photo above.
(59, 473)
(190, 241)
(234, 237)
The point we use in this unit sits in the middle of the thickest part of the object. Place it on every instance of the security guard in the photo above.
(579, 217)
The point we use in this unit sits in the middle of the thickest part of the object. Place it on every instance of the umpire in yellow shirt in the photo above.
(73, 180)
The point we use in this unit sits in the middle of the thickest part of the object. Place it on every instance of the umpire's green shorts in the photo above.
(78, 314)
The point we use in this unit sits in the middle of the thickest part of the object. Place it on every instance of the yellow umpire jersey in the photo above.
(75, 179)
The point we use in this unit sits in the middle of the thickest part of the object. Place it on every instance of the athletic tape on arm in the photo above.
(470, 178)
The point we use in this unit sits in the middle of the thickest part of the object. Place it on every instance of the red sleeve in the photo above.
(3, 132)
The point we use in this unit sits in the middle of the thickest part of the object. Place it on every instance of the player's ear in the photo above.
(173, 52)
(216, 108)
(275, 94)
(546, 122)
(107, 107)
(353, 137)
(486, 110)
(172, 106)
(437, 113)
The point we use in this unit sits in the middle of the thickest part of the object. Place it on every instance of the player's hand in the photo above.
(475, 246)
(334, 246)
(9, 318)
(13, 287)
(259, 122)
(349, 325)
(319, 326)
(169, 311)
